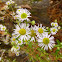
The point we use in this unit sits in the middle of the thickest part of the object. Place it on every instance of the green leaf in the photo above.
(30, 45)
(56, 52)
(57, 41)
(38, 49)
(14, 60)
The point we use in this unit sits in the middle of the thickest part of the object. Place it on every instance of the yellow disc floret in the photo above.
(33, 34)
(46, 40)
(22, 31)
(54, 30)
(40, 30)
(23, 15)
(55, 24)
(13, 39)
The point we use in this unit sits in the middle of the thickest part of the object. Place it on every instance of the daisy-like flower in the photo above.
(1, 18)
(52, 24)
(53, 30)
(6, 7)
(13, 40)
(46, 41)
(39, 29)
(10, 2)
(55, 24)
(19, 42)
(16, 41)
(22, 32)
(59, 27)
(23, 14)
(32, 35)
(13, 49)
(17, 53)
(16, 17)
(16, 49)
(3, 28)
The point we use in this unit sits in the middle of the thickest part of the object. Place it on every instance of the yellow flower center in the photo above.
(55, 24)
(14, 39)
(40, 30)
(46, 40)
(54, 30)
(52, 24)
(8, 3)
(2, 18)
(23, 15)
(33, 34)
(19, 10)
(17, 47)
(3, 28)
(22, 31)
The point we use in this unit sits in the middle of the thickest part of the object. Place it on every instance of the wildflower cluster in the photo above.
(24, 33)
(55, 28)
(28, 33)
(10, 2)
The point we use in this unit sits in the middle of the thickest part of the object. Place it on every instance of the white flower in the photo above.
(46, 41)
(3, 28)
(16, 17)
(23, 14)
(32, 34)
(52, 24)
(6, 7)
(1, 18)
(19, 42)
(55, 24)
(8, 2)
(59, 27)
(16, 41)
(17, 53)
(39, 29)
(22, 32)
(12, 2)
(13, 38)
(13, 49)
(53, 30)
